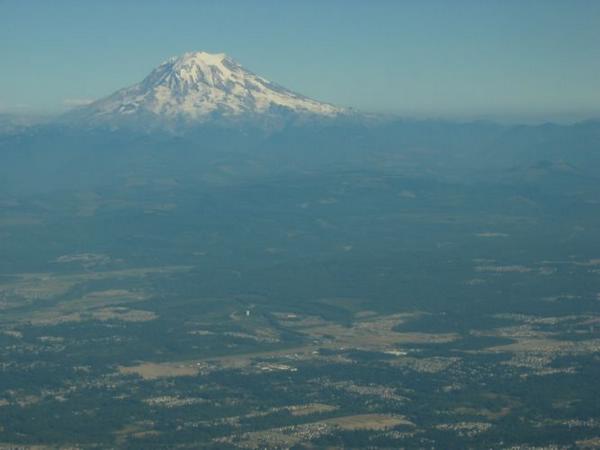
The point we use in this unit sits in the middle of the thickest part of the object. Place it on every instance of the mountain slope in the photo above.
(200, 87)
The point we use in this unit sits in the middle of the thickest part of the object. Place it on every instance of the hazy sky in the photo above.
(456, 58)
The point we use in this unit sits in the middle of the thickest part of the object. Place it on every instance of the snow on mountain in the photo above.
(198, 87)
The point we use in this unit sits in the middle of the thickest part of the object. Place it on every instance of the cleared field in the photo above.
(311, 408)
(292, 435)
(43, 291)
(152, 371)
(368, 422)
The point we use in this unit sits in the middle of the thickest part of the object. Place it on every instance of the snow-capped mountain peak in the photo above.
(200, 86)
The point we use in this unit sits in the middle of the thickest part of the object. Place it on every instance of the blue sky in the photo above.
(452, 58)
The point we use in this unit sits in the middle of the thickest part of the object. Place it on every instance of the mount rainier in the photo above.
(201, 87)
